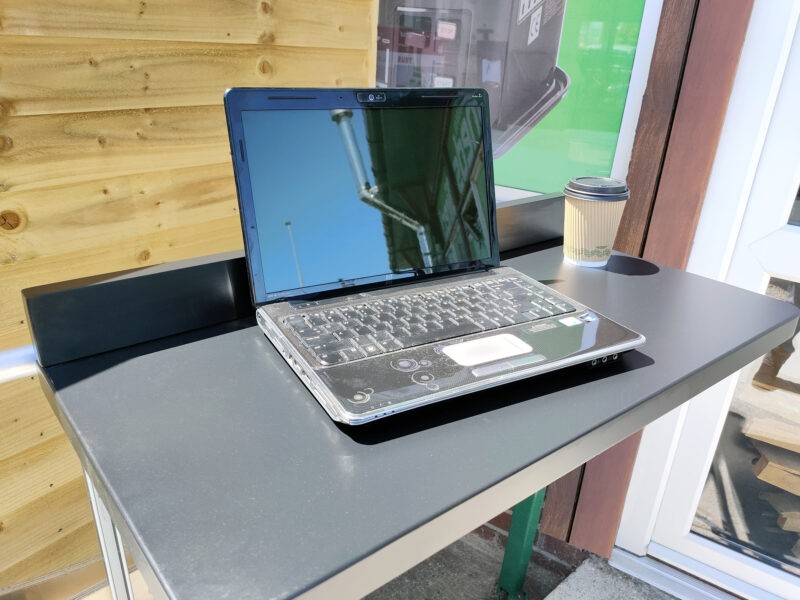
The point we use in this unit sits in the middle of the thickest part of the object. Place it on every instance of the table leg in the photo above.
(111, 546)
(519, 547)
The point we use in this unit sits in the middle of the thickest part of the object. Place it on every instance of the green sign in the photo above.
(579, 136)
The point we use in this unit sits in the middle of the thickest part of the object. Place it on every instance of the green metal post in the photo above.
(519, 547)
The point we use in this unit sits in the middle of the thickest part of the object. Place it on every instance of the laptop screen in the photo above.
(354, 195)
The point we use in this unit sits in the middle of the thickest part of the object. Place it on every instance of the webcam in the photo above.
(371, 96)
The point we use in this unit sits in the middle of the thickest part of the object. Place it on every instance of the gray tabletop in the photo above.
(232, 482)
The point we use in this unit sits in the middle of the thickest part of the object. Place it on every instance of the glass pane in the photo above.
(751, 499)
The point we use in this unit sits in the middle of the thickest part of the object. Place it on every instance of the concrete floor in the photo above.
(595, 579)
(468, 569)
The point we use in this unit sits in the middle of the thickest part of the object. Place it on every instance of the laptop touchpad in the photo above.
(488, 349)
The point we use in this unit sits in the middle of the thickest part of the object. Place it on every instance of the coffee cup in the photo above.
(592, 212)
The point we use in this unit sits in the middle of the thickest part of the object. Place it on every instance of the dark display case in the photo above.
(508, 47)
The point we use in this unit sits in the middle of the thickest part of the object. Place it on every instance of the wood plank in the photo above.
(64, 219)
(784, 459)
(43, 498)
(773, 474)
(717, 39)
(655, 121)
(35, 472)
(77, 548)
(778, 467)
(91, 74)
(603, 491)
(26, 418)
(772, 431)
(154, 247)
(789, 523)
(650, 143)
(55, 150)
(788, 508)
(43, 521)
(301, 23)
(68, 583)
(559, 505)
(372, 51)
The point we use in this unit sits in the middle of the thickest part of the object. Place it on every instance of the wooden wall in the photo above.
(114, 155)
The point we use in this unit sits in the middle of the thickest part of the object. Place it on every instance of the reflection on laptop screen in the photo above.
(351, 195)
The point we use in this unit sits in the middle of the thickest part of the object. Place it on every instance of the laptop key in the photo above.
(371, 349)
(331, 358)
(521, 317)
(334, 327)
(353, 353)
(332, 346)
(316, 320)
(485, 322)
(382, 335)
(450, 330)
(319, 340)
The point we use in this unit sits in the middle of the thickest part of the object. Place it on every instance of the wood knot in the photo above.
(10, 220)
(266, 8)
(265, 67)
(102, 141)
(266, 38)
(6, 143)
(142, 7)
(6, 109)
(143, 256)
(341, 28)
(92, 62)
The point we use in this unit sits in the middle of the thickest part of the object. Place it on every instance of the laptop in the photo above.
(371, 243)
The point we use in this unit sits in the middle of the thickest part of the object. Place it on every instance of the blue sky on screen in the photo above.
(300, 173)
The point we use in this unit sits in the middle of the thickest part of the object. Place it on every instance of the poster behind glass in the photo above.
(557, 73)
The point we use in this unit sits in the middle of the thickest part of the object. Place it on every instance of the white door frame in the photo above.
(753, 182)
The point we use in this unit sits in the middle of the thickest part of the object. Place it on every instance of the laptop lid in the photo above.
(342, 188)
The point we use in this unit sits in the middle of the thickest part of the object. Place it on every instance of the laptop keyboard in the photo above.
(381, 325)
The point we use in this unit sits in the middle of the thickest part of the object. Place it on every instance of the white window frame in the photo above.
(752, 186)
